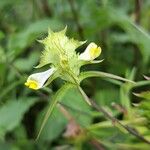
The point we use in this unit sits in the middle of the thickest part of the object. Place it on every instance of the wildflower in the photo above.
(59, 51)
(90, 53)
(37, 80)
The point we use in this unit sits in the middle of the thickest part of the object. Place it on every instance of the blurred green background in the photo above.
(121, 28)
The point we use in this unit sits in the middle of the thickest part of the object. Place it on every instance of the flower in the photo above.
(91, 52)
(60, 51)
(37, 80)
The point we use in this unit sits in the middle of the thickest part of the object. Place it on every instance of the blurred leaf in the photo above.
(2, 55)
(2, 35)
(7, 2)
(105, 97)
(57, 121)
(20, 132)
(54, 125)
(8, 146)
(76, 105)
(104, 19)
(30, 33)
(9, 87)
(26, 64)
(12, 113)
(136, 33)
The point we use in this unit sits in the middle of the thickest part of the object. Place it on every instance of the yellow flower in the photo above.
(91, 52)
(37, 80)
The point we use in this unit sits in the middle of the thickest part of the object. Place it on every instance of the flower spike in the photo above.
(91, 52)
(37, 80)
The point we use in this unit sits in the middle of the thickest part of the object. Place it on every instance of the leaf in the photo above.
(136, 33)
(30, 33)
(54, 126)
(53, 103)
(2, 55)
(76, 105)
(12, 113)
(105, 19)
(10, 87)
(105, 97)
(89, 74)
(26, 64)
(3, 4)
(2, 35)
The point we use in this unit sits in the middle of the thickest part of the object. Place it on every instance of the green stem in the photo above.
(78, 86)
(107, 124)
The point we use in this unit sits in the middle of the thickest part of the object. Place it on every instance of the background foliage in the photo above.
(121, 28)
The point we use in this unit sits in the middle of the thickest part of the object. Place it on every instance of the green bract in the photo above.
(59, 51)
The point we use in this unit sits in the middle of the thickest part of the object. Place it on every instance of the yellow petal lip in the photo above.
(95, 52)
(32, 84)
(91, 52)
(37, 80)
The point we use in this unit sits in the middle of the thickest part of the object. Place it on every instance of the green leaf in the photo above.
(89, 74)
(105, 97)
(26, 64)
(57, 45)
(77, 108)
(76, 105)
(3, 4)
(136, 33)
(12, 113)
(10, 87)
(54, 126)
(53, 103)
(2, 55)
(30, 33)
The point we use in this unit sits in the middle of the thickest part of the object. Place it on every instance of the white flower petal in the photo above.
(37, 80)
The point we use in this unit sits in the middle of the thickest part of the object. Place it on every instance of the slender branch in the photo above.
(64, 111)
(110, 117)
(75, 109)
(76, 128)
(97, 144)
(107, 114)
